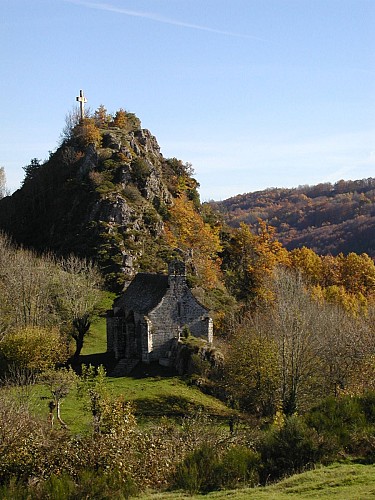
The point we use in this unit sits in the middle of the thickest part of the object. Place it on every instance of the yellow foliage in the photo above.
(87, 133)
(34, 348)
(120, 120)
(308, 263)
(253, 257)
(187, 231)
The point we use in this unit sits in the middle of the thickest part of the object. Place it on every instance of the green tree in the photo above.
(31, 170)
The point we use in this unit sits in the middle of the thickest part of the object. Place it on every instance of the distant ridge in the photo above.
(328, 218)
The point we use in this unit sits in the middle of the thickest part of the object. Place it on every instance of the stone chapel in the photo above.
(151, 314)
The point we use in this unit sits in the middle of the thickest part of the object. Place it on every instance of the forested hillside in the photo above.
(328, 218)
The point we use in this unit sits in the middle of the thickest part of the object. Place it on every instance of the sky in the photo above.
(253, 93)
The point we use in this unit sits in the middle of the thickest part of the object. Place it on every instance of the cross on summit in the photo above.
(82, 100)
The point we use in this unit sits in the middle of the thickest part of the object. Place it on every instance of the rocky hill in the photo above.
(104, 193)
(328, 218)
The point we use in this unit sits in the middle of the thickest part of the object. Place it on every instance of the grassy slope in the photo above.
(338, 481)
(155, 391)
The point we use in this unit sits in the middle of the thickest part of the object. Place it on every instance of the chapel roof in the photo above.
(144, 292)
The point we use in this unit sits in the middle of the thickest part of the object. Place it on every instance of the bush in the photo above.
(338, 418)
(198, 472)
(290, 449)
(140, 171)
(203, 470)
(89, 484)
(367, 404)
(133, 195)
(34, 348)
(239, 467)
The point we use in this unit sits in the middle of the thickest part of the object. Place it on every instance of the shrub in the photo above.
(239, 467)
(338, 418)
(86, 132)
(140, 170)
(290, 449)
(198, 472)
(132, 194)
(367, 404)
(34, 348)
(89, 484)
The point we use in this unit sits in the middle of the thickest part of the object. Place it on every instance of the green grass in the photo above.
(169, 395)
(338, 481)
(152, 398)
(155, 391)
(96, 340)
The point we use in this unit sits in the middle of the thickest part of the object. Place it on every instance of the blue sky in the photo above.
(253, 93)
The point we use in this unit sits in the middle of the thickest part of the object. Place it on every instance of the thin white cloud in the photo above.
(160, 19)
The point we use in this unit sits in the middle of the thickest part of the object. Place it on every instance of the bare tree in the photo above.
(78, 293)
(26, 287)
(59, 382)
(293, 318)
(72, 119)
(345, 343)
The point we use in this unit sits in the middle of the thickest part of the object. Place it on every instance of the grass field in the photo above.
(155, 391)
(338, 481)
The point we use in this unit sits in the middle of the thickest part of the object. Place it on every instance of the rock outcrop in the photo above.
(108, 203)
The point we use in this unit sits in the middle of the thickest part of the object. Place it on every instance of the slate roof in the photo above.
(144, 292)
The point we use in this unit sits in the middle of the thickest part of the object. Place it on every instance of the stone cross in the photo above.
(81, 99)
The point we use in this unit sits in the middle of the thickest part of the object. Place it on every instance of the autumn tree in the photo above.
(86, 132)
(101, 117)
(249, 257)
(126, 121)
(357, 273)
(187, 231)
(308, 263)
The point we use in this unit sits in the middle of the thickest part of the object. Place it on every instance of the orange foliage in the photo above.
(187, 231)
